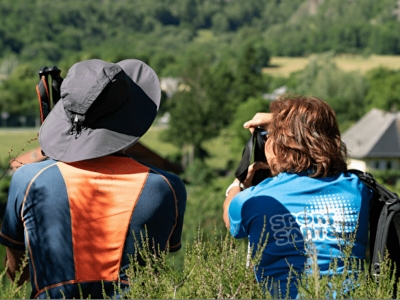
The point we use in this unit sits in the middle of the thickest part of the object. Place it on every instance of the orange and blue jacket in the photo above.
(81, 222)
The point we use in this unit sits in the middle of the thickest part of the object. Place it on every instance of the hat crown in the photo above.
(85, 82)
(108, 106)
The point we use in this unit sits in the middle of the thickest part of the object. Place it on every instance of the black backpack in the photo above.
(384, 224)
(384, 218)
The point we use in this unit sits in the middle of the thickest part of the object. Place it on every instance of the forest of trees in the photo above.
(217, 49)
(56, 30)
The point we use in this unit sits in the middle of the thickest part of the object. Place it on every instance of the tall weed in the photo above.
(10, 289)
(216, 268)
(212, 269)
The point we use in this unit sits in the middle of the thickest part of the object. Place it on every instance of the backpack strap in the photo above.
(384, 222)
(387, 218)
(42, 89)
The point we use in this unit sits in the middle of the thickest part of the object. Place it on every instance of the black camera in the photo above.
(252, 152)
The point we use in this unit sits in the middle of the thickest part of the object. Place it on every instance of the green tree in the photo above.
(384, 39)
(344, 91)
(241, 13)
(202, 106)
(248, 75)
(244, 112)
(220, 23)
(384, 89)
(17, 93)
(43, 30)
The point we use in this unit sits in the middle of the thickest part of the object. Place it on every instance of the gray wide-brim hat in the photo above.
(104, 108)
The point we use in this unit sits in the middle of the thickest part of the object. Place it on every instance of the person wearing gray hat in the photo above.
(81, 213)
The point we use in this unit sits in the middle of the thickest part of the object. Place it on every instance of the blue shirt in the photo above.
(298, 216)
(79, 221)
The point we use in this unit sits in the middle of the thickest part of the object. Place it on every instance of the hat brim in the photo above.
(113, 133)
(59, 144)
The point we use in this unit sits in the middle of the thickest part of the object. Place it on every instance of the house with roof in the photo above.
(373, 143)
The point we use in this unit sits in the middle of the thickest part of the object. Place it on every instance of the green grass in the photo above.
(207, 266)
(220, 153)
(215, 268)
(152, 140)
(14, 142)
(218, 148)
(17, 141)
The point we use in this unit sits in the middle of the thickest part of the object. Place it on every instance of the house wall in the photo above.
(375, 164)
(357, 164)
(383, 164)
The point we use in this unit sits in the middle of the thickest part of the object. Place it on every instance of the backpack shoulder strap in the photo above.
(369, 180)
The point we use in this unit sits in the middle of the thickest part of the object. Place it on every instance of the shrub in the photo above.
(212, 269)
(217, 269)
(9, 289)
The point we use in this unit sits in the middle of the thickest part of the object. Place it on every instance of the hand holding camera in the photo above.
(253, 158)
(259, 120)
(253, 167)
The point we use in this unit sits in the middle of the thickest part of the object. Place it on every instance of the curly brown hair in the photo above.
(305, 136)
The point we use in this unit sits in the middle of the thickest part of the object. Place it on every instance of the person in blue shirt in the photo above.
(310, 210)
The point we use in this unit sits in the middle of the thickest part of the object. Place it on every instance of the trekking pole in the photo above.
(48, 97)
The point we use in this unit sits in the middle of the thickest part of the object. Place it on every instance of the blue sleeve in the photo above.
(237, 228)
(12, 229)
(177, 191)
(180, 192)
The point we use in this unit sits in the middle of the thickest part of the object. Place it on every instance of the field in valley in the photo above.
(283, 66)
